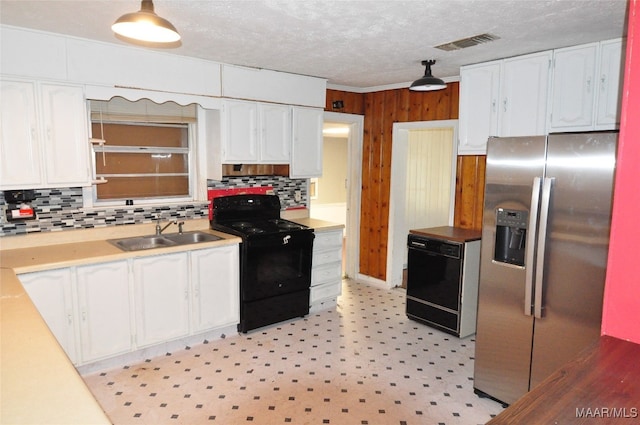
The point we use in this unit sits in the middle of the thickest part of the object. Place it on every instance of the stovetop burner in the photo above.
(286, 225)
(262, 226)
(248, 215)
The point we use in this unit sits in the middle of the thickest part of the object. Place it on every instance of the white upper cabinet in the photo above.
(273, 86)
(64, 118)
(576, 88)
(125, 66)
(239, 132)
(255, 132)
(610, 82)
(587, 82)
(573, 88)
(479, 97)
(19, 137)
(523, 95)
(502, 98)
(306, 150)
(275, 133)
(44, 136)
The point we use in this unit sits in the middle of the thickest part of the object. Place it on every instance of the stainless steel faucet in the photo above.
(160, 229)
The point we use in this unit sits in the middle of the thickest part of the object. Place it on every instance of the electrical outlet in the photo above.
(297, 196)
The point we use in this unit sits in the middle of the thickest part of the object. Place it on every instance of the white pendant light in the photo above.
(428, 82)
(145, 25)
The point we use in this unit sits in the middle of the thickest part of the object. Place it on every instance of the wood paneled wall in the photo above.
(353, 102)
(469, 191)
(381, 109)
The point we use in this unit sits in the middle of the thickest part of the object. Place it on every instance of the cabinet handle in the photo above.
(589, 85)
(603, 81)
(504, 104)
(69, 318)
(493, 105)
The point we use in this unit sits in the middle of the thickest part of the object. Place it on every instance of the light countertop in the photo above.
(39, 385)
(38, 382)
(318, 225)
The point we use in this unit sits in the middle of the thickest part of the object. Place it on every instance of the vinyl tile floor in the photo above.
(362, 363)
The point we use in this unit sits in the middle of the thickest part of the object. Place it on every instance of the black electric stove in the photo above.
(275, 258)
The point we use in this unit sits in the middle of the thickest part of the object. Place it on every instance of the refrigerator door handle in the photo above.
(542, 240)
(529, 265)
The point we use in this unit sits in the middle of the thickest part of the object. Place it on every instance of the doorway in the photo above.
(423, 182)
(341, 177)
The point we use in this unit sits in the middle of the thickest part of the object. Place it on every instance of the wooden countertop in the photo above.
(449, 233)
(601, 386)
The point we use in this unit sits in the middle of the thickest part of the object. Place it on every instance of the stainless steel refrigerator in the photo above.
(545, 237)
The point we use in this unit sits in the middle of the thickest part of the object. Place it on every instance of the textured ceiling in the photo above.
(358, 44)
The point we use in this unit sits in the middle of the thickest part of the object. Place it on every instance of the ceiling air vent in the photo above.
(467, 42)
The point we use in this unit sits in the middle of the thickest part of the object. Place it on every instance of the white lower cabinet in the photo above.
(326, 271)
(215, 283)
(102, 310)
(51, 292)
(161, 288)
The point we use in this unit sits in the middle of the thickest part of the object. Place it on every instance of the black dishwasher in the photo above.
(436, 277)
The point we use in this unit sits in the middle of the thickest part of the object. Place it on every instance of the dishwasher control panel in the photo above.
(435, 246)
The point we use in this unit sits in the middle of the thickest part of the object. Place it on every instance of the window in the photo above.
(143, 151)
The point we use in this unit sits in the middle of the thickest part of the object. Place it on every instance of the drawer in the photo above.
(327, 290)
(324, 240)
(327, 256)
(326, 273)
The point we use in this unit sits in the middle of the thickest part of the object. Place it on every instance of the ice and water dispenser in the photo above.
(511, 236)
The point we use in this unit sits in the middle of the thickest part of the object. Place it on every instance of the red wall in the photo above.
(621, 315)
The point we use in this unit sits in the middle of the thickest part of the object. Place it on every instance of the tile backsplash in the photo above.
(61, 209)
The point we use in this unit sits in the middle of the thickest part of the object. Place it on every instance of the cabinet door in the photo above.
(66, 137)
(479, 96)
(51, 293)
(215, 287)
(275, 133)
(306, 154)
(19, 155)
(161, 298)
(240, 132)
(609, 94)
(573, 90)
(523, 95)
(104, 306)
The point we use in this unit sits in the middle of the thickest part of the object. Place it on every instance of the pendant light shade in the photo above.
(428, 82)
(145, 25)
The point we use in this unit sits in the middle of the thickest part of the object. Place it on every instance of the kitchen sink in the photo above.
(140, 243)
(192, 237)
